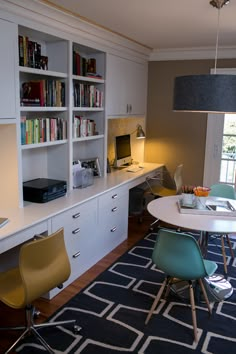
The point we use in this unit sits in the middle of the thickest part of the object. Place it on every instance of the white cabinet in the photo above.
(81, 238)
(126, 87)
(112, 219)
(8, 45)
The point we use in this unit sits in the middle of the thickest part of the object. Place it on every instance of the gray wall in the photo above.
(176, 137)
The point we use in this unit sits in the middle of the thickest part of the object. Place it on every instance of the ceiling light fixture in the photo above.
(206, 93)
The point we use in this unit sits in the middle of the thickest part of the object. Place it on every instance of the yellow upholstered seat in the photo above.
(43, 265)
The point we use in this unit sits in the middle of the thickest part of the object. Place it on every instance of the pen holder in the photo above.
(188, 198)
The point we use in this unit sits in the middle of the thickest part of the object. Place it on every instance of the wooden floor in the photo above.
(9, 317)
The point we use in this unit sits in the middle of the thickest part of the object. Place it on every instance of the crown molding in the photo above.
(192, 53)
(35, 14)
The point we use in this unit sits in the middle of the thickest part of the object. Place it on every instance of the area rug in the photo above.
(112, 310)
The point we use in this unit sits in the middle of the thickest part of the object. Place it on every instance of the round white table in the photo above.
(167, 210)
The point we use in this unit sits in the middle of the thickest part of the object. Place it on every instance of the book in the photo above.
(3, 221)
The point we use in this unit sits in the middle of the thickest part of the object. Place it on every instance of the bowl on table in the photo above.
(201, 191)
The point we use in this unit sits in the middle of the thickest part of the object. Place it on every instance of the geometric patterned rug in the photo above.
(111, 312)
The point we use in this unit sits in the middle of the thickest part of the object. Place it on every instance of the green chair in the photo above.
(178, 255)
(223, 191)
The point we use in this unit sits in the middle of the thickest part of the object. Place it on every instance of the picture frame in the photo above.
(92, 163)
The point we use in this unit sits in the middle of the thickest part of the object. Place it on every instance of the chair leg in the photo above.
(31, 328)
(230, 245)
(155, 302)
(193, 308)
(224, 254)
(205, 296)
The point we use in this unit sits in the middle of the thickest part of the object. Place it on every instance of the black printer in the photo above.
(43, 190)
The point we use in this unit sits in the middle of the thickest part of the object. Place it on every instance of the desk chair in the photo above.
(158, 190)
(224, 191)
(43, 265)
(179, 257)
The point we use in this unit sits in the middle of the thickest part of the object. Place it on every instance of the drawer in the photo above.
(76, 216)
(112, 195)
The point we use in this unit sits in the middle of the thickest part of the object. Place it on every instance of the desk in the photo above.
(166, 209)
(94, 213)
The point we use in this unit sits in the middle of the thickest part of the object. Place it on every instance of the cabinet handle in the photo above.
(114, 196)
(75, 216)
(76, 255)
(113, 229)
(127, 108)
(114, 209)
(76, 231)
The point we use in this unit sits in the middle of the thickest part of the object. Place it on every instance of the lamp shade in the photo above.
(205, 93)
(140, 133)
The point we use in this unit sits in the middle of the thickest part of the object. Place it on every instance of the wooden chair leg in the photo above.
(230, 245)
(205, 296)
(155, 302)
(193, 308)
(224, 254)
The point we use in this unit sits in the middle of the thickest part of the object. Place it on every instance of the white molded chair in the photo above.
(224, 191)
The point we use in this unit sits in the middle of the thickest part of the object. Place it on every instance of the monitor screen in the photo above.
(122, 150)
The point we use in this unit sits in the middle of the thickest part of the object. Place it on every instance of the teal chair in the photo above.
(223, 191)
(178, 255)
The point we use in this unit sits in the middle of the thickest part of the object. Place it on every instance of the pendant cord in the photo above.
(217, 40)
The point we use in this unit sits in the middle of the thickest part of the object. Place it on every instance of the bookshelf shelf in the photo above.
(42, 109)
(88, 79)
(46, 144)
(40, 72)
(88, 109)
(87, 138)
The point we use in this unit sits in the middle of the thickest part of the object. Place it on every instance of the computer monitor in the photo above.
(122, 150)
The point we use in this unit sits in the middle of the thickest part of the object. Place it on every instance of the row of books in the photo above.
(86, 95)
(40, 130)
(83, 127)
(50, 93)
(83, 66)
(30, 54)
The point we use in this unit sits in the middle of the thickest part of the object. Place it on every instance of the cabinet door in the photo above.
(8, 45)
(126, 87)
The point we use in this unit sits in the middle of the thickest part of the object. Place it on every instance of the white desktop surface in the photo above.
(166, 209)
(33, 213)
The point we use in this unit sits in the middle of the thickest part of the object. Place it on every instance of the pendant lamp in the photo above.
(206, 93)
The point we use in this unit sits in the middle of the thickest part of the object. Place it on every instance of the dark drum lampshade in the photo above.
(205, 93)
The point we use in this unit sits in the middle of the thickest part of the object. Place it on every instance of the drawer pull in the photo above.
(76, 255)
(114, 209)
(113, 229)
(114, 196)
(76, 231)
(75, 216)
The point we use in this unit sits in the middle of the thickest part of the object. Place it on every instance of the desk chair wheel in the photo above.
(77, 329)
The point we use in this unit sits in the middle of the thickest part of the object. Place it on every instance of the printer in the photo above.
(43, 190)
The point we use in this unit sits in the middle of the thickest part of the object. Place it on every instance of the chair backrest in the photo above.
(178, 178)
(178, 255)
(222, 190)
(43, 265)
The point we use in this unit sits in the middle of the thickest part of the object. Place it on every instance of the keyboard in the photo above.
(134, 168)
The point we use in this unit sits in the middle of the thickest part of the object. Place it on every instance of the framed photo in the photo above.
(92, 163)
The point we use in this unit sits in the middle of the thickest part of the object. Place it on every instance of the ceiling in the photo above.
(160, 24)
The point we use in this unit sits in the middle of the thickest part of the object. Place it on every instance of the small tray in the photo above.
(212, 207)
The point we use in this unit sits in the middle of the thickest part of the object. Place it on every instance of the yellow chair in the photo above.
(43, 265)
(158, 190)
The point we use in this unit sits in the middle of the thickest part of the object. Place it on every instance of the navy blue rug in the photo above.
(112, 310)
